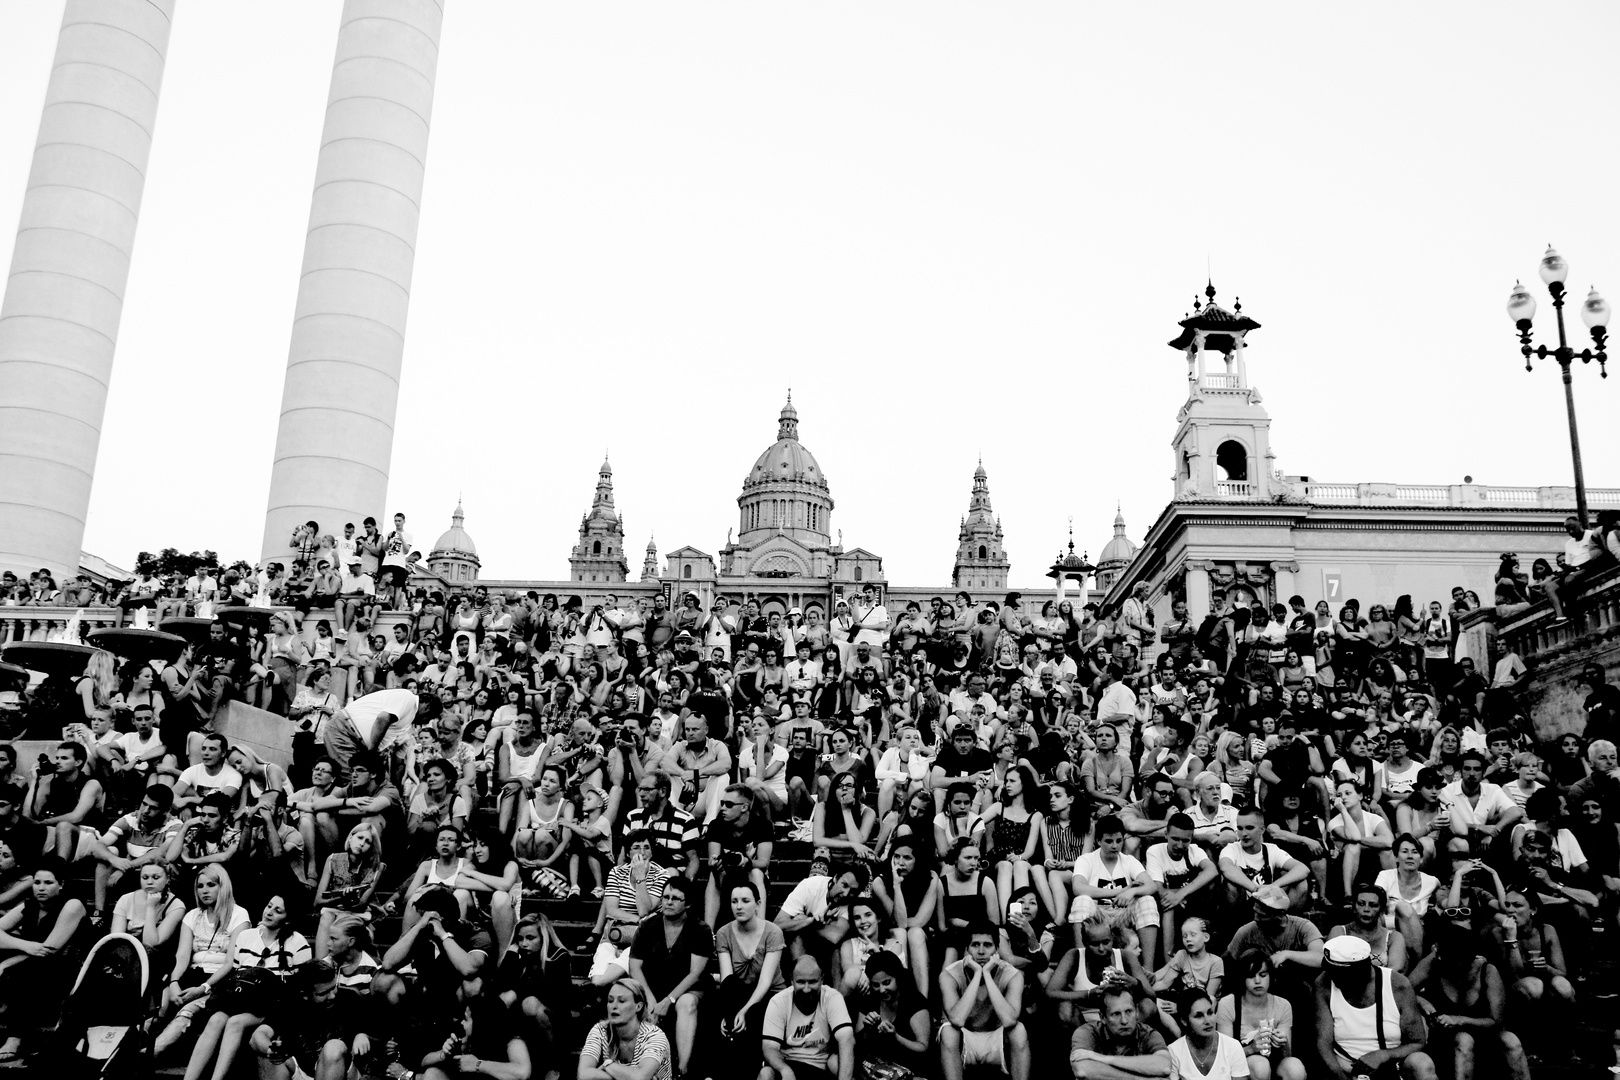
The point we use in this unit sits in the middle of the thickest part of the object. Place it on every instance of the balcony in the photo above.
(1458, 495)
(1221, 382)
(1234, 489)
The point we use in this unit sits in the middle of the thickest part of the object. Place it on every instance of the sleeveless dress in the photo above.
(1010, 836)
(1083, 983)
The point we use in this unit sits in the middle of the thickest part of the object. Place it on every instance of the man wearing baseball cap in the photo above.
(1294, 945)
(1367, 1018)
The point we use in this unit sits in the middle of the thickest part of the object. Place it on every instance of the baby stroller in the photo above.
(100, 1032)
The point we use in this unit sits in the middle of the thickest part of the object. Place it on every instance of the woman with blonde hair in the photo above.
(208, 934)
(98, 685)
(625, 1039)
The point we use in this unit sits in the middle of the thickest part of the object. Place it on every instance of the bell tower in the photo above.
(599, 555)
(981, 560)
(1222, 445)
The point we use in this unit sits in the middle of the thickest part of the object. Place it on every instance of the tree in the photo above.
(171, 561)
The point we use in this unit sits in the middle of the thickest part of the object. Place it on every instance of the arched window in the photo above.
(686, 571)
(983, 554)
(596, 548)
(1231, 461)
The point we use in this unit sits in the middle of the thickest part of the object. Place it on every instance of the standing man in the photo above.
(982, 996)
(870, 621)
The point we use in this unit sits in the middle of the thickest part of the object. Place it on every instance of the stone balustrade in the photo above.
(1461, 495)
(1556, 651)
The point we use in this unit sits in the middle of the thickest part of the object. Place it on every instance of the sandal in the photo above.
(11, 1051)
(573, 892)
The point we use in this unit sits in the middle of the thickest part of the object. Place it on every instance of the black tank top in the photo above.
(965, 906)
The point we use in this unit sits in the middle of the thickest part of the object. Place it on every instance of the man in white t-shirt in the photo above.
(807, 1030)
(1181, 873)
(143, 748)
(1106, 876)
(1250, 863)
(212, 775)
(1480, 811)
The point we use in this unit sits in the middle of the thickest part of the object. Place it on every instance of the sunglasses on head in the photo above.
(1456, 912)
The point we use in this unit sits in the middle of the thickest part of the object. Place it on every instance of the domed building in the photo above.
(454, 556)
(1116, 554)
(784, 552)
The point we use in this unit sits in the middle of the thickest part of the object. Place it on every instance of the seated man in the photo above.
(1480, 811)
(739, 845)
(1181, 875)
(814, 918)
(801, 1023)
(1110, 880)
(1294, 945)
(1252, 863)
(1367, 1018)
(150, 834)
(670, 957)
(1118, 1046)
(982, 996)
(66, 801)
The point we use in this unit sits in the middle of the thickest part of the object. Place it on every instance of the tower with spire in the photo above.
(649, 565)
(981, 560)
(454, 557)
(599, 555)
(1222, 444)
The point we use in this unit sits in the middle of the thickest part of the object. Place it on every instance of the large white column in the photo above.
(65, 293)
(343, 366)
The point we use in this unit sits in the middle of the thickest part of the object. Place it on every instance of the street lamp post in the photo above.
(1521, 309)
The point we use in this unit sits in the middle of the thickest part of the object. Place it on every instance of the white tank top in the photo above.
(1082, 983)
(433, 877)
(522, 764)
(1358, 1032)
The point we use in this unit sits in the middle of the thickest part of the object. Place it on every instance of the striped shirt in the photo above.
(675, 833)
(252, 951)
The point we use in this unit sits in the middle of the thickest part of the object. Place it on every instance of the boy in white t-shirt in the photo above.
(1108, 879)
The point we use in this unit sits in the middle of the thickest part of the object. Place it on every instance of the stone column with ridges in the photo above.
(65, 292)
(343, 365)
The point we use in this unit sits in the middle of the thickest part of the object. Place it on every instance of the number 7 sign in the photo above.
(1332, 586)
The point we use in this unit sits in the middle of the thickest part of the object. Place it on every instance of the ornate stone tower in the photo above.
(649, 565)
(981, 561)
(599, 555)
(455, 556)
(1222, 443)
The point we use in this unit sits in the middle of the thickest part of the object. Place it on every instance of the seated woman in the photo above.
(151, 914)
(1536, 967)
(273, 948)
(843, 823)
(910, 893)
(891, 1019)
(207, 935)
(1364, 835)
(489, 878)
(1410, 891)
(534, 979)
(1367, 923)
(1260, 1021)
(1460, 994)
(39, 941)
(871, 932)
(626, 1044)
(1102, 963)
(349, 879)
(749, 950)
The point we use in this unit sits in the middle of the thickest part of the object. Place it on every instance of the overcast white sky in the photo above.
(951, 228)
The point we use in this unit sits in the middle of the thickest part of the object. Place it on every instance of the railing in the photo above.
(1221, 382)
(42, 623)
(1463, 495)
(1234, 489)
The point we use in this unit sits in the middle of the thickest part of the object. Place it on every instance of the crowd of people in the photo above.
(1278, 840)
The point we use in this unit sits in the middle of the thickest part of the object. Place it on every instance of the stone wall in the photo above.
(1555, 652)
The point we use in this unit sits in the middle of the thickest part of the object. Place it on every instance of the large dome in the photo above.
(1120, 550)
(455, 538)
(787, 459)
